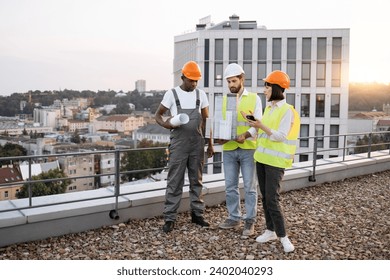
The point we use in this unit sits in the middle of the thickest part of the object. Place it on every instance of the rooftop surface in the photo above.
(345, 220)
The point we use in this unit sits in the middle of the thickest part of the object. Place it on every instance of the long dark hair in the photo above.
(277, 92)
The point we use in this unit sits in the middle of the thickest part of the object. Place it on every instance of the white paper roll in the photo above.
(180, 119)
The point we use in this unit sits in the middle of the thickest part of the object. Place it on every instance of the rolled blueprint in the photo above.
(180, 119)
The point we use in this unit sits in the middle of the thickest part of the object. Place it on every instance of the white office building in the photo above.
(140, 86)
(317, 61)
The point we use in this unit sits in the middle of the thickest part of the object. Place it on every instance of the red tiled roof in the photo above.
(9, 175)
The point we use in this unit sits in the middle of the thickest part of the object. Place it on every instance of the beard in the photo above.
(235, 89)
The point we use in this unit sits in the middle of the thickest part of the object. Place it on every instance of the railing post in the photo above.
(114, 213)
(312, 178)
(29, 183)
(369, 144)
(344, 147)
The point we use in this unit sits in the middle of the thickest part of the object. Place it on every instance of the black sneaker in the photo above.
(199, 220)
(168, 226)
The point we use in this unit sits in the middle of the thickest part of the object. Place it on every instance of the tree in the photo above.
(377, 143)
(46, 188)
(11, 150)
(76, 137)
(143, 159)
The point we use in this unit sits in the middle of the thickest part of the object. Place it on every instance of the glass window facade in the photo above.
(320, 105)
(335, 106)
(304, 133)
(334, 140)
(305, 105)
(319, 131)
(233, 50)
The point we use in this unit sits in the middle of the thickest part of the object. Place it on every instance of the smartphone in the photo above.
(250, 117)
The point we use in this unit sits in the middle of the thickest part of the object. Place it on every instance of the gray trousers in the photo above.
(173, 195)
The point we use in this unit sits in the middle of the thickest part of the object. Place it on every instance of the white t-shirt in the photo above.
(187, 100)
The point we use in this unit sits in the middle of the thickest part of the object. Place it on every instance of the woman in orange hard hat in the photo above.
(276, 145)
(186, 149)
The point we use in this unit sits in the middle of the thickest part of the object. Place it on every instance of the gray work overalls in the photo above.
(186, 150)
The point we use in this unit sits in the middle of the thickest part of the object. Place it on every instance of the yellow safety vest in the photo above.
(278, 154)
(248, 102)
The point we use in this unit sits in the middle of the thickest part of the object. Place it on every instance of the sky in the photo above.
(109, 44)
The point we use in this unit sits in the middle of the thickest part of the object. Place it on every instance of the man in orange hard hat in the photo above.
(186, 149)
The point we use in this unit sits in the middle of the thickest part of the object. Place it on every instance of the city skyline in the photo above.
(101, 45)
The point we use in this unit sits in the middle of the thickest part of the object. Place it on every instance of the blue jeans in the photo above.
(233, 161)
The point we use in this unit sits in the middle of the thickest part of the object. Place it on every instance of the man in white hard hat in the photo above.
(238, 154)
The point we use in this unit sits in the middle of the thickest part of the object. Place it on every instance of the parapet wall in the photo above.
(146, 200)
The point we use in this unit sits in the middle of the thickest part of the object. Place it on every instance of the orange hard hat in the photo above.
(278, 77)
(191, 70)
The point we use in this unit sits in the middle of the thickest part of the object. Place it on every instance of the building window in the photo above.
(206, 74)
(276, 54)
(218, 71)
(291, 59)
(262, 61)
(261, 73)
(290, 99)
(207, 49)
(233, 50)
(291, 49)
(248, 74)
(305, 105)
(262, 49)
(320, 105)
(336, 48)
(335, 106)
(263, 100)
(276, 49)
(304, 134)
(321, 74)
(218, 50)
(276, 66)
(321, 49)
(303, 158)
(217, 166)
(248, 50)
(321, 62)
(6, 194)
(319, 131)
(306, 49)
(336, 74)
(306, 66)
(334, 140)
(291, 72)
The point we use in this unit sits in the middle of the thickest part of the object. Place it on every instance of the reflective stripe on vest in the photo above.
(279, 154)
(247, 103)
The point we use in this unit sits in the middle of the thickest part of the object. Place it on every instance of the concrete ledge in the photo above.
(147, 200)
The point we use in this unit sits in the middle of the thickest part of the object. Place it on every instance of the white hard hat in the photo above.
(233, 70)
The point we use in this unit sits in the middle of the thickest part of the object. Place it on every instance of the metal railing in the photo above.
(118, 174)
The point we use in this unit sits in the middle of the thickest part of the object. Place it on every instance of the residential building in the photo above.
(78, 166)
(10, 174)
(383, 125)
(124, 124)
(105, 164)
(153, 132)
(317, 61)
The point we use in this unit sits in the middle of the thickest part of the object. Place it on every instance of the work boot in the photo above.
(199, 220)
(168, 226)
(229, 224)
(249, 229)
